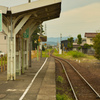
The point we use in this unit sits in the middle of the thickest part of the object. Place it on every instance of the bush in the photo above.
(87, 46)
(75, 54)
(60, 79)
(79, 48)
(55, 50)
(4, 58)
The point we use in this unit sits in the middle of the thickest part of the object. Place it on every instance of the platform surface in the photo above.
(43, 87)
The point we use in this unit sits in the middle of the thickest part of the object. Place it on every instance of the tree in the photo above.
(96, 45)
(86, 46)
(35, 36)
(79, 40)
(70, 43)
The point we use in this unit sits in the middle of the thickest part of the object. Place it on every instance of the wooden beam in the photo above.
(27, 25)
(22, 22)
(5, 29)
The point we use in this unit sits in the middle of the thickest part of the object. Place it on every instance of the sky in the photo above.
(77, 17)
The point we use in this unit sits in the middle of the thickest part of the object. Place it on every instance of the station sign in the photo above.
(26, 33)
(0, 21)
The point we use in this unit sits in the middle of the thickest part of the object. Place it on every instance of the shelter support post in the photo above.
(18, 56)
(11, 65)
(27, 53)
(31, 30)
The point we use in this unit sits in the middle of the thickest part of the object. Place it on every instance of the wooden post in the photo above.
(4, 62)
(49, 52)
(1, 63)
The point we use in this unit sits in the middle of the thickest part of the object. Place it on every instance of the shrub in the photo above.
(60, 79)
(75, 54)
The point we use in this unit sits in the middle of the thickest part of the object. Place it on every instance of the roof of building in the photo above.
(90, 35)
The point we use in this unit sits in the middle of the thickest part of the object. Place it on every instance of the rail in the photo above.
(69, 80)
(81, 77)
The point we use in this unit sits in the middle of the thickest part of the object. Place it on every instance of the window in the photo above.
(91, 40)
(4, 37)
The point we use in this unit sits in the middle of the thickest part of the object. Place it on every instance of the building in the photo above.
(89, 37)
(3, 43)
(64, 44)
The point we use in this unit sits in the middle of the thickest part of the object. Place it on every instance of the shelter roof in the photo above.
(3, 9)
(41, 10)
(33, 5)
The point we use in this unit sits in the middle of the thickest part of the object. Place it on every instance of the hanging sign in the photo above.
(26, 33)
(0, 21)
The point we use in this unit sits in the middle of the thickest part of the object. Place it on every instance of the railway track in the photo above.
(81, 88)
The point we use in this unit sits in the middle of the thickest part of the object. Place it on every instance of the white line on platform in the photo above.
(21, 98)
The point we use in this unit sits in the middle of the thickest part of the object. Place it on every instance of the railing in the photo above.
(3, 63)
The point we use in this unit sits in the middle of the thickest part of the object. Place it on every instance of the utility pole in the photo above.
(41, 41)
(29, 1)
(60, 38)
(60, 44)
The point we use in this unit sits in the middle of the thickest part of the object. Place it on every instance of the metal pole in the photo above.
(41, 41)
(37, 53)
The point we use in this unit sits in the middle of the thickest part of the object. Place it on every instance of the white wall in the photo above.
(88, 41)
(3, 43)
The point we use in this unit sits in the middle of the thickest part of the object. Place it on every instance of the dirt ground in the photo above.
(90, 70)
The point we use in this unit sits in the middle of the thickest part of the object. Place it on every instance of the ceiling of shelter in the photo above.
(38, 15)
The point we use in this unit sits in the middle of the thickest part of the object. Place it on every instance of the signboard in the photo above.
(0, 21)
(26, 33)
(45, 45)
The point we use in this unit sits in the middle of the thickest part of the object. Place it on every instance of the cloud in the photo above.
(76, 21)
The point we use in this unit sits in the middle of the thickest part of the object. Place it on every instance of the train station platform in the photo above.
(32, 85)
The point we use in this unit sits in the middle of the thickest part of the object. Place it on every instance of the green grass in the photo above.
(3, 63)
(73, 55)
(4, 58)
(46, 53)
(62, 97)
(57, 88)
(60, 79)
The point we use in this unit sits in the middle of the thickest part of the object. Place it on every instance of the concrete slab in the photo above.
(43, 88)
(48, 88)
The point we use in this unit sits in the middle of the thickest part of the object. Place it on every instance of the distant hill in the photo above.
(54, 40)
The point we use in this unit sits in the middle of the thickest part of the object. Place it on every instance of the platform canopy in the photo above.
(15, 22)
(42, 10)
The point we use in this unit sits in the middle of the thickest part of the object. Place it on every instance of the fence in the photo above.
(3, 63)
(33, 54)
(3, 60)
